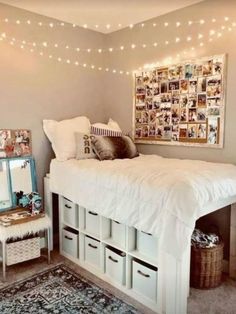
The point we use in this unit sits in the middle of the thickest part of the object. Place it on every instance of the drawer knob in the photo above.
(142, 274)
(92, 213)
(92, 246)
(112, 259)
(67, 206)
(68, 238)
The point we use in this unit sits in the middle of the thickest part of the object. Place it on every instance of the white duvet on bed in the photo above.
(157, 195)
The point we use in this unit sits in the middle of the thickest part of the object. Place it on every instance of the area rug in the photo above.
(59, 290)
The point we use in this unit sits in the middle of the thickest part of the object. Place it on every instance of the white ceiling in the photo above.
(101, 12)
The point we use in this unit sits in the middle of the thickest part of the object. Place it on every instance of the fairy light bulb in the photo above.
(200, 36)
(219, 35)
(167, 42)
(74, 25)
(84, 65)
(67, 47)
(100, 50)
(68, 61)
(40, 23)
(154, 24)
(234, 24)
(114, 71)
(178, 24)
(56, 45)
(166, 24)
(23, 42)
(62, 24)
(11, 43)
(50, 56)
(77, 49)
(110, 49)
(121, 72)
(201, 44)
(107, 69)
(45, 44)
(76, 63)
(96, 26)
(144, 45)
(119, 25)
(28, 22)
(59, 59)
(85, 26)
(230, 29)
(88, 50)
(226, 18)
(177, 39)
(18, 22)
(127, 73)
(6, 20)
(189, 38)
(22, 46)
(100, 69)
(202, 22)
(122, 48)
(213, 20)
(51, 25)
(190, 22)
(133, 46)
(34, 44)
(41, 53)
(212, 32)
(155, 44)
(92, 66)
(31, 50)
(131, 25)
(222, 27)
(142, 25)
(3, 35)
(108, 26)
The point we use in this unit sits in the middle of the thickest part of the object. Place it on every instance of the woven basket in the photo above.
(206, 267)
(24, 250)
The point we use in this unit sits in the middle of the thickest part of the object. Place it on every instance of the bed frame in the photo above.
(173, 274)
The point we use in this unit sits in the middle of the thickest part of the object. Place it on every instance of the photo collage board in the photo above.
(181, 104)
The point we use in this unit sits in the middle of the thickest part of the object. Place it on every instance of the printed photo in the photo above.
(138, 132)
(148, 103)
(192, 115)
(201, 100)
(162, 74)
(212, 131)
(138, 117)
(167, 117)
(197, 70)
(152, 130)
(175, 128)
(189, 71)
(22, 143)
(160, 119)
(152, 116)
(207, 68)
(159, 131)
(180, 71)
(145, 131)
(192, 86)
(183, 130)
(149, 92)
(140, 100)
(156, 102)
(173, 75)
(139, 80)
(217, 66)
(167, 133)
(214, 86)
(201, 131)
(144, 117)
(166, 98)
(192, 101)
(140, 90)
(201, 114)
(213, 111)
(183, 86)
(146, 78)
(201, 85)
(174, 85)
(213, 101)
(164, 87)
(192, 130)
(175, 111)
(5, 136)
(156, 90)
(183, 101)
(183, 115)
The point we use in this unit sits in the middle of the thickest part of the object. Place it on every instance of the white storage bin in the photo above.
(144, 280)
(70, 213)
(70, 242)
(92, 222)
(147, 244)
(115, 265)
(118, 233)
(92, 251)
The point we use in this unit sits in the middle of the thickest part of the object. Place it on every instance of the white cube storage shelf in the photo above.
(115, 264)
(144, 279)
(121, 255)
(70, 213)
(70, 240)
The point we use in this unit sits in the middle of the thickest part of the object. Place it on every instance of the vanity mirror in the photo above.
(16, 174)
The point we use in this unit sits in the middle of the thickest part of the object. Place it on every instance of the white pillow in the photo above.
(62, 135)
(111, 125)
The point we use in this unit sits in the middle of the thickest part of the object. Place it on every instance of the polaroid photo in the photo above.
(201, 131)
(183, 115)
(201, 85)
(175, 99)
(138, 117)
(192, 130)
(162, 74)
(175, 128)
(175, 136)
(164, 87)
(213, 111)
(152, 116)
(156, 102)
(144, 117)
(140, 100)
(149, 92)
(153, 78)
(144, 131)
(183, 130)
(201, 114)
(175, 111)
(140, 90)
(22, 142)
(165, 107)
(207, 68)
(184, 86)
(192, 86)
(159, 118)
(189, 71)
(156, 90)
(146, 78)
(218, 66)
(173, 86)
(173, 73)
(139, 80)
(201, 100)
(152, 130)
(213, 101)
(148, 103)
(197, 70)
(167, 132)
(159, 131)
(166, 98)
(212, 131)
(183, 101)
(138, 131)
(180, 72)
(167, 117)
(192, 115)
(192, 101)
(214, 86)
(5, 136)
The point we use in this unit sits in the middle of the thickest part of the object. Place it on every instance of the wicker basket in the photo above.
(206, 267)
(24, 250)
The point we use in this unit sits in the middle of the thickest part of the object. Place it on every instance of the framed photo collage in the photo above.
(181, 104)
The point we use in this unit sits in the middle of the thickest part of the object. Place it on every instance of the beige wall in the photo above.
(119, 89)
(33, 88)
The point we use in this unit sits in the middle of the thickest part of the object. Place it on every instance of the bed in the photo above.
(157, 195)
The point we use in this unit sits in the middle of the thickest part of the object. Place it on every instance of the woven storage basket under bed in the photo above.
(206, 266)
(24, 250)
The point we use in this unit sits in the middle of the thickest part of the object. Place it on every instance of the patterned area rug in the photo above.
(59, 290)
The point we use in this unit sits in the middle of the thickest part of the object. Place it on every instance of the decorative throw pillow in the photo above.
(61, 135)
(84, 148)
(110, 129)
(110, 147)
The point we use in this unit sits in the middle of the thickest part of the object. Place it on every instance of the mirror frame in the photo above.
(9, 177)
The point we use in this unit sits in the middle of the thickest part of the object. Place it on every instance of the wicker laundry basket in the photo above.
(206, 266)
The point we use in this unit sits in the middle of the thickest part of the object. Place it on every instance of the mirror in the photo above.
(5, 192)
(18, 174)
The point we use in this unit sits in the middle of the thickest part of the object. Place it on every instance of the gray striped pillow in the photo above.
(105, 132)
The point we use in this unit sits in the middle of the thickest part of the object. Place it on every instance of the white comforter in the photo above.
(154, 194)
